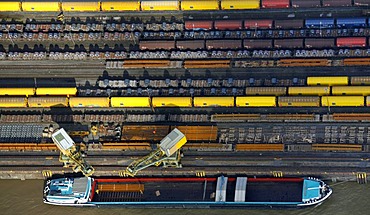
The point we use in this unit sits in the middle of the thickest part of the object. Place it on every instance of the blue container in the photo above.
(351, 22)
(320, 23)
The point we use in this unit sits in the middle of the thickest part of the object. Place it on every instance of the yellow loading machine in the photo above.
(70, 153)
(168, 154)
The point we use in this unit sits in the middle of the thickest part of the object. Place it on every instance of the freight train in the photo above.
(278, 24)
(185, 102)
(264, 44)
(321, 91)
(169, 5)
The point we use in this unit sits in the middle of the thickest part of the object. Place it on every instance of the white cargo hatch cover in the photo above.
(221, 189)
(240, 189)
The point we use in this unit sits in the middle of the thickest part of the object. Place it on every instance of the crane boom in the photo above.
(167, 154)
(70, 154)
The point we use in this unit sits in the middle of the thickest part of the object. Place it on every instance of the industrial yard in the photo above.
(261, 88)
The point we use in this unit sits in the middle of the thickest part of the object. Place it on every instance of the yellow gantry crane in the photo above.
(70, 153)
(167, 154)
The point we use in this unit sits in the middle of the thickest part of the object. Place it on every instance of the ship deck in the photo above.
(194, 190)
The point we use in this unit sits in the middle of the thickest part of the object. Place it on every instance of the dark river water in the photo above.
(25, 197)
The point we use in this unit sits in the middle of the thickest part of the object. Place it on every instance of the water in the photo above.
(25, 197)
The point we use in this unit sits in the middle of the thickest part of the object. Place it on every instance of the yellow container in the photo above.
(51, 91)
(199, 5)
(351, 90)
(130, 102)
(342, 101)
(41, 6)
(48, 101)
(10, 6)
(120, 6)
(171, 101)
(255, 101)
(17, 91)
(160, 5)
(214, 101)
(328, 80)
(240, 4)
(89, 102)
(299, 101)
(309, 91)
(81, 6)
(13, 102)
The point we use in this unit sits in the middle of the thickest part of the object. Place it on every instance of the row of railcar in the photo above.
(338, 83)
(39, 91)
(254, 43)
(193, 25)
(277, 24)
(169, 5)
(309, 91)
(184, 102)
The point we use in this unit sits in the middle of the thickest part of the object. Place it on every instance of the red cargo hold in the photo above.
(351, 41)
(228, 24)
(198, 25)
(275, 3)
(257, 44)
(263, 23)
(337, 3)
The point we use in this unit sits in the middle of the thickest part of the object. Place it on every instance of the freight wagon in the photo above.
(61, 91)
(169, 5)
(310, 23)
(352, 99)
(264, 44)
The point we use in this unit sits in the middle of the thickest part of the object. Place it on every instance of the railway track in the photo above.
(201, 160)
(244, 155)
(323, 165)
(322, 172)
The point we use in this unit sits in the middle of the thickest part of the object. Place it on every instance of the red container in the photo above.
(351, 42)
(319, 42)
(263, 23)
(362, 2)
(228, 24)
(275, 3)
(154, 45)
(190, 44)
(288, 43)
(289, 23)
(198, 25)
(257, 44)
(223, 44)
(306, 3)
(336, 3)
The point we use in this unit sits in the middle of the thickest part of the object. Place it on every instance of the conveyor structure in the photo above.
(70, 153)
(168, 154)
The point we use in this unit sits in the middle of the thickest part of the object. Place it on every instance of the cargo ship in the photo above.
(186, 192)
